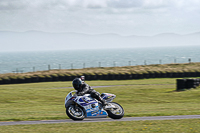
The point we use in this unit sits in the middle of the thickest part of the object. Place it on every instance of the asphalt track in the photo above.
(102, 120)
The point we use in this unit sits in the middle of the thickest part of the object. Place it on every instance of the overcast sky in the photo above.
(124, 17)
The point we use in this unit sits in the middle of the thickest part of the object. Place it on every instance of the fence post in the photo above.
(145, 62)
(160, 61)
(49, 67)
(189, 60)
(17, 70)
(59, 66)
(174, 60)
(33, 69)
(129, 63)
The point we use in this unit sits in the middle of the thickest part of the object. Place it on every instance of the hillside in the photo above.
(36, 40)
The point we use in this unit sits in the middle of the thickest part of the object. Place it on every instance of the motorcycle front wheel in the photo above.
(117, 112)
(74, 112)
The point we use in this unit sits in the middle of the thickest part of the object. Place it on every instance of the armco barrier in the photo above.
(123, 76)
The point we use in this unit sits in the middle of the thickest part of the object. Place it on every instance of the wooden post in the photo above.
(174, 60)
(49, 67)
(72, 66)
(189, 60)
(59, 66)
(145, 63)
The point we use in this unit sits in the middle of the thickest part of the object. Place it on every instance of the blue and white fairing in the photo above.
(108, 97)
(92, 107)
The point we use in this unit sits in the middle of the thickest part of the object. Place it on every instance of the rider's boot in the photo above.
(105, 104)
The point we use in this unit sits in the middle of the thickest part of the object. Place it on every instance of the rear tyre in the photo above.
(74, 112)
(117, 112)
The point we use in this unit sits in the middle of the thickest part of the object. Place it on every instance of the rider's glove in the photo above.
(79, 94)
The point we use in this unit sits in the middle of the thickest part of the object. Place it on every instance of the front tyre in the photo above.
(74, 112)
(117, 112)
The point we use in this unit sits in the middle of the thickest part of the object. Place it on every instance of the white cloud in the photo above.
(98, 4)
(101, 16)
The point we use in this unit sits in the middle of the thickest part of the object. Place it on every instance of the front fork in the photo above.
(76, 107)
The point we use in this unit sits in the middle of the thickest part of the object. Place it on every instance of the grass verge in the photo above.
(168, 126)
(148, 97)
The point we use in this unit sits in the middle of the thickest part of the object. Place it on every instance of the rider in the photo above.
(83, 88)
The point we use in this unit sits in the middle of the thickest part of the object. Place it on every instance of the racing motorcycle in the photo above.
(80, 107)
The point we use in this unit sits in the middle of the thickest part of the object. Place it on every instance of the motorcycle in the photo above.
(80, 107)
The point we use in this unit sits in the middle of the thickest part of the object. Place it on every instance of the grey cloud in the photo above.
(94, 4)
(125, 3)
(27, 4)
(12, 4)
(65, 4)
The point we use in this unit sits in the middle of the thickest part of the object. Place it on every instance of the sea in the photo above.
(21, 62)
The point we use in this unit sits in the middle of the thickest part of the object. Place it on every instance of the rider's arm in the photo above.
(85, 89)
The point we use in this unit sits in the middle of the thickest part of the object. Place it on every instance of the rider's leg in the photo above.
(97, 96)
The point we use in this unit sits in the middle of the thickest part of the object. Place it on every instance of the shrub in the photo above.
(54, 75)
(47, 76)
(61, 74)
(27, 76)
(41, 76)
(13, 77)
(89, 73)
(67, 74)
(113, 73)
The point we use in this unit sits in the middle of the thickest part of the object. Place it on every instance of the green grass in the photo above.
(133, 82)
(166, 126)
(44, 101)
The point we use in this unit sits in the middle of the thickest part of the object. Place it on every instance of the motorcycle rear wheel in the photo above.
(74, 112)
(116, 113)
